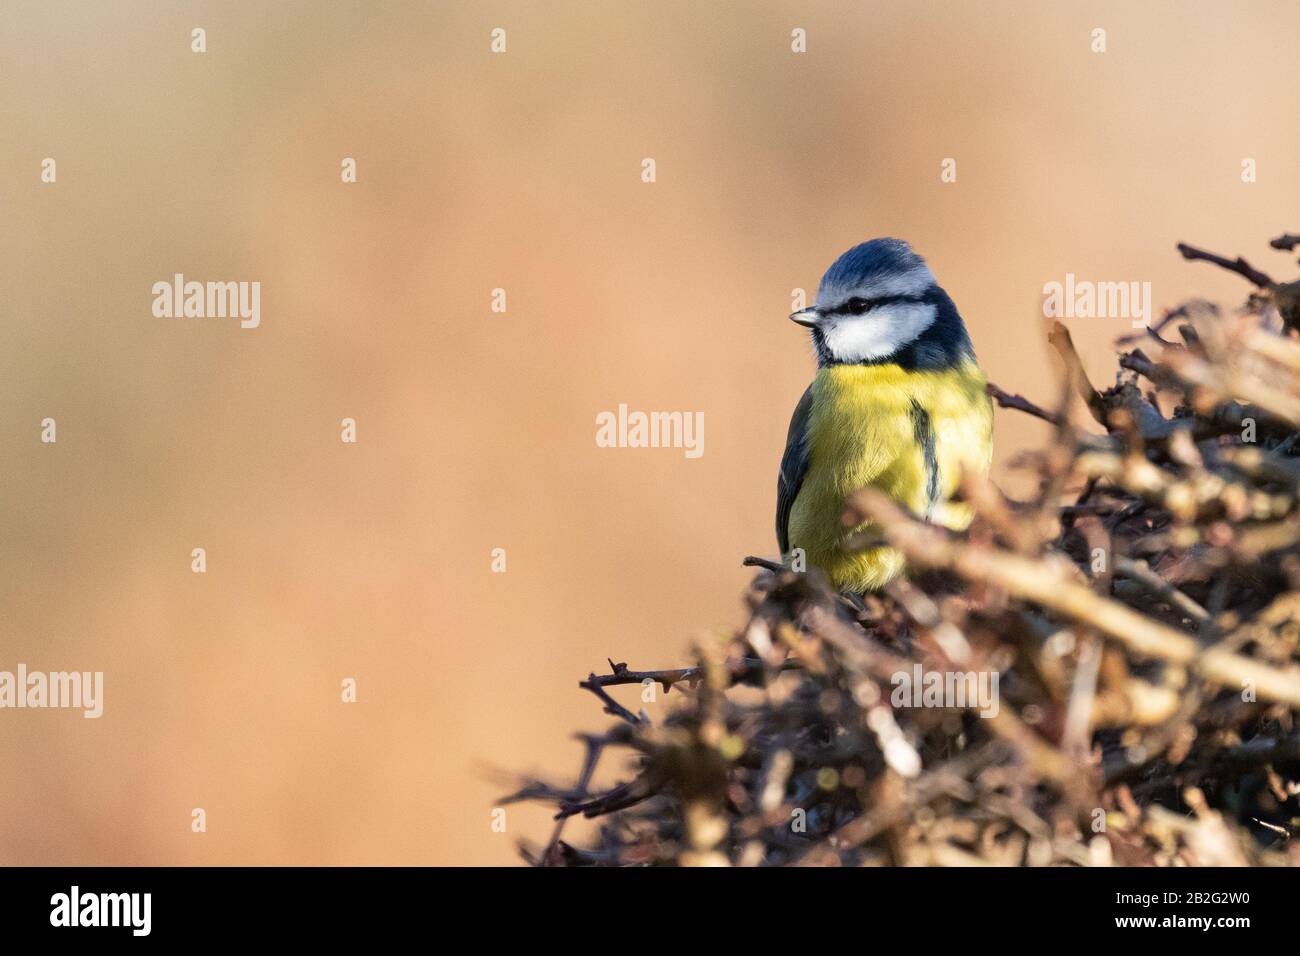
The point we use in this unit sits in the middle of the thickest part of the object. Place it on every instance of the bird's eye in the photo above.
(857, 306)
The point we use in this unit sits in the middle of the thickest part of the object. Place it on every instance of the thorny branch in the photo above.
(1238, 265)
(1141, 613)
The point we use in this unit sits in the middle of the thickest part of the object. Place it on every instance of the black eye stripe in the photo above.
(860, 306)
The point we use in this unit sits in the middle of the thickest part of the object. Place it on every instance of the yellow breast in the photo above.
(906, 433)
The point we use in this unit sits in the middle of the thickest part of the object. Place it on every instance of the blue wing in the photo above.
(794, 465)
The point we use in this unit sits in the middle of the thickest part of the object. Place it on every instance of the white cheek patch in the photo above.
(880, 332)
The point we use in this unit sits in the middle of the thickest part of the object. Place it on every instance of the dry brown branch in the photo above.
(1239, 265)
(1059, 337)
(1139, 617)
(1022, 404)
(1054, 584)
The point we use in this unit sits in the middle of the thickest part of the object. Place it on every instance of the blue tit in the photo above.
(898, 404)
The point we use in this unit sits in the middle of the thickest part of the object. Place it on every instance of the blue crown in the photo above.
(875, 258)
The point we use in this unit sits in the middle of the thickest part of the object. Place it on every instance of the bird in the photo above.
(899, 404)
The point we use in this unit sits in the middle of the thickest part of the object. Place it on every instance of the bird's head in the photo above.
(874, 300)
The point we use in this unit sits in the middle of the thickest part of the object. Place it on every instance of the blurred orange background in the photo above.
(477, 430)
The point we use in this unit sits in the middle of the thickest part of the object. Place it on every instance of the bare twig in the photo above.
(1021, 404)
(1125, 640)
(1239, 265)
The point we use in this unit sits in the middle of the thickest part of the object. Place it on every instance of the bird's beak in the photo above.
(808, 318)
